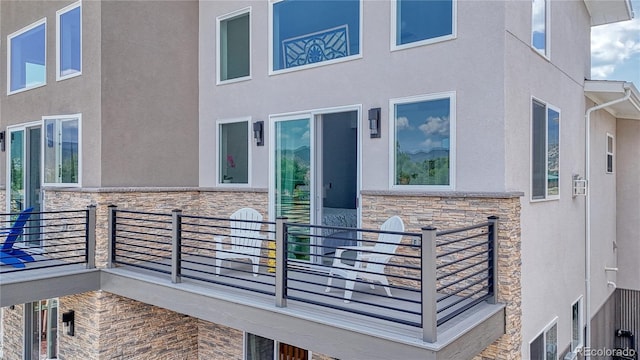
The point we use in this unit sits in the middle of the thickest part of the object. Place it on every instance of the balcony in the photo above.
(442, 283)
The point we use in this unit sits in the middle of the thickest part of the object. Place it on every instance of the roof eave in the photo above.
(609, 11)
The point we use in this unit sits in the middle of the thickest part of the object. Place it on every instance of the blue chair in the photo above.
(10, 255)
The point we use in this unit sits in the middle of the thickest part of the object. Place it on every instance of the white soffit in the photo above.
(609, 11)
(603, 91)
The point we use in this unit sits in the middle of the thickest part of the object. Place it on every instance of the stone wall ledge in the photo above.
(445, 194)
(155, 189)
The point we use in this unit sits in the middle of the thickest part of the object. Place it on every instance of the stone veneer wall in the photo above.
(107, 318)
(13, 336)
(450, 211)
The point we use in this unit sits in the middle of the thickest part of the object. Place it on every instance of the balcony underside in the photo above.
(338, 333)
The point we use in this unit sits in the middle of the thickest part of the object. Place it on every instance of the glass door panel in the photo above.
(293, 180)
(16, 169)
(32, 185)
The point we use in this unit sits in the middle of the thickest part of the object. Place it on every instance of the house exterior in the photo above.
(360, 108)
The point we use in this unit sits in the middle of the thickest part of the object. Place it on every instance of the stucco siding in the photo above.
(370, 81)
(627, 153)
(149, 93)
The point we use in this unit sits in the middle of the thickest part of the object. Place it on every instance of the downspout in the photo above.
(587, 215)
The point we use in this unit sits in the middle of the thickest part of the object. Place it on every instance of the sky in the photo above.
(615, 50)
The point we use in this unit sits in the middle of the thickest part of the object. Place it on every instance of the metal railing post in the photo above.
(493, 260)
(111, 244)
(90, 251)
(176, 246)
(281, 263)
(428, 275)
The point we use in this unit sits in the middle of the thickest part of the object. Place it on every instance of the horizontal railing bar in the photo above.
(463, 249)
(125, 211)
(444, 265)
(482, 262)
(453, 314)
(462, 229)
(456, 302)
(446, 243)
(463, 279)
(446, 296)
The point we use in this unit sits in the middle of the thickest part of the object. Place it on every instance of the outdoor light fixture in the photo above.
(374, 122)
(2, 140)
(68, 320)
(258, 132)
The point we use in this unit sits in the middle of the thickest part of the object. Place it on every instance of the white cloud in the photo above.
(402, 123)
(431, 144)
(435, 126)
(612, 45)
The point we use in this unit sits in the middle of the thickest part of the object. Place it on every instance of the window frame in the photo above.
(59, 14)
(313, 65)
(546, 53)
(67, 117)
(276, 346)
(10, 38)
(28, 331)
(394, 27)
(219, 160)
(580, 305)
(451, 95)
(543, 333)
(219, 20)
(547, 107)
(610, 153)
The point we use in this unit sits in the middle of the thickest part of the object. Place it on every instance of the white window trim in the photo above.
(44, 136)
(314, 65)
(580, 324)
(249, 148)
(276, 347)
(544, 338)
(394, 27)
(451, 95)
(18, 33)
(59, 13)
(612, 153)
(547, 197)
(10, 129)
(547, 33)
(220, 19)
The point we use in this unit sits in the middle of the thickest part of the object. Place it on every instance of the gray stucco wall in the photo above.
(80, 94)
(370, 81)
(149, 93)
(628, 203)
(552, 231)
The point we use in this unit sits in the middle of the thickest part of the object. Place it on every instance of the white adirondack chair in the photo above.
(245, 239)
(370, 261)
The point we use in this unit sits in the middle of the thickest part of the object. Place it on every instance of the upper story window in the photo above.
(234, 44)
(610, 150)
(233, 154)
(61, 150)
(539, 26)
(423, 141)
(307, 33)
(545, 151)
(419, 22)
(545, 345)
(26, 57)
(69, 41)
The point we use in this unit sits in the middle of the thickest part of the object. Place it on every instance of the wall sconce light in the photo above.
(258, 132)
(68, 320)
(374, 122)
(2, 140)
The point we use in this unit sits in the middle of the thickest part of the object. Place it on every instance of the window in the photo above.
(311, 32)
(234, 44)
(576, 325)
(545, 152)
(26, 58)
(61, 150)
(539, 30)
(259, 348)
(423, 141)
(69, 42)
(233, 160)
(610, 149)
(419, 22)
(545, 345)
(41, 330)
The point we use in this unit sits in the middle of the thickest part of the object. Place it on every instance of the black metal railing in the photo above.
(48, 239)
(421, 279)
